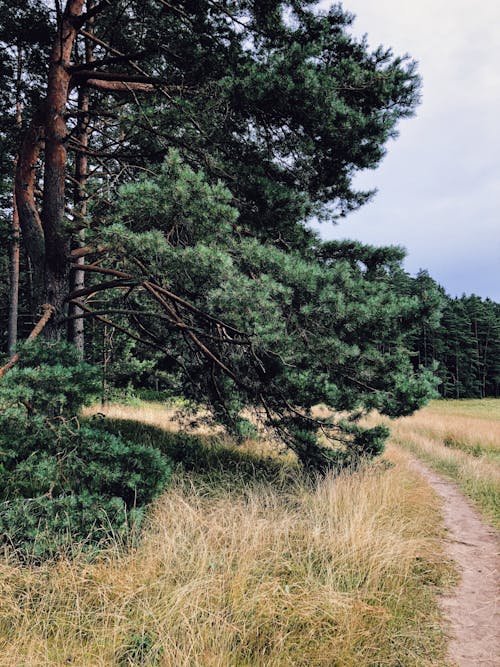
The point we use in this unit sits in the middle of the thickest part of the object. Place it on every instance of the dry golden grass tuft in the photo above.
(462, 440)
(336, 572)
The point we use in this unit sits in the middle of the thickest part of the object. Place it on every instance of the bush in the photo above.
(62, 482)
(38, 528)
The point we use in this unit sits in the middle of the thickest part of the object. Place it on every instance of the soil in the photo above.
(472, 608)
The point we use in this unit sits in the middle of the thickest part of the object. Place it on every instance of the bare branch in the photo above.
(177, 10)
(101, 287)
(103, 270)
(77, 69)
(88, 250)
(77, 22)
(123, 77)
(48, 311)
(110, 323)
(204, 349)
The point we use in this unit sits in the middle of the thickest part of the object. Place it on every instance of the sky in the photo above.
(439, 184)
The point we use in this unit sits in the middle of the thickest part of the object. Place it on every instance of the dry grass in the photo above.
(467, 427)
(487, 408)
(173, 417)
(339, 572)
(462, 440)
(167, 418)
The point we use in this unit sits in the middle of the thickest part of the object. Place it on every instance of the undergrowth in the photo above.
(62, 482)
(243, 561)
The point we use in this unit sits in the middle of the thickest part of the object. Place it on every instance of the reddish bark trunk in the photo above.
(46, 235)
(29, 219)
(57, 239)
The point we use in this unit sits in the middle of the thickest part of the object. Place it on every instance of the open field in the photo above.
(248, 564)
(487, 408)
(460, 439)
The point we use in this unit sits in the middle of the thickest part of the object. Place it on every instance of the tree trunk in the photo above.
(57, 240)
(47, 240)
(29, 218)
(45, 234)
(16, 231)
(76, 329)
(14, 279)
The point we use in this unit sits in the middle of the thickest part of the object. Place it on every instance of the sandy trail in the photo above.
(473, 607)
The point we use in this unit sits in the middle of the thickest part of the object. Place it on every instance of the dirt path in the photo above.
(473, 607)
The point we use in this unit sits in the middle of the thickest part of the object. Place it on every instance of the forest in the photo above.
(161, 164)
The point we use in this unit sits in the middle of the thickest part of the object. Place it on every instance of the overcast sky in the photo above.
(439, 185)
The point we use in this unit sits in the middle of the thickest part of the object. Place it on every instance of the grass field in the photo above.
(246, 563)
(460, 439)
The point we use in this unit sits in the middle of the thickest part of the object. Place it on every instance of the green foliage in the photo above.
(49, 379)
(62, 482)
(324, 324)
(41, 527)
(244, 429)
(348, 446)
(141, 648)
(284, 113)
(187, 207)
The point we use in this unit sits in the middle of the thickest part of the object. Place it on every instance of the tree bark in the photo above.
(76, 333)
(16, 230)
(14, 278)
(57, 240)
(29, 218)
(46, 233)
(76, 327)
(56, 237)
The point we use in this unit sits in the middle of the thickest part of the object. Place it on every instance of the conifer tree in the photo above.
(245, 119)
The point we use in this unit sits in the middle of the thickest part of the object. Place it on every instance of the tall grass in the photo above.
(334, 572)
(461, 440)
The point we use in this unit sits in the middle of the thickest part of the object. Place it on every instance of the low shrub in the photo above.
(62, 482)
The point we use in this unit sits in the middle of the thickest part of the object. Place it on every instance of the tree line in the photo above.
(461, 341)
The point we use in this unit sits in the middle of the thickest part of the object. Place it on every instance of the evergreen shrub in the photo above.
(63, 483)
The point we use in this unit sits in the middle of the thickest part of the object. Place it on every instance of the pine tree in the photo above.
(320, 325)
(241, 137)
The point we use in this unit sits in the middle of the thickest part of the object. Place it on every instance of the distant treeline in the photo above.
(460, 338)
